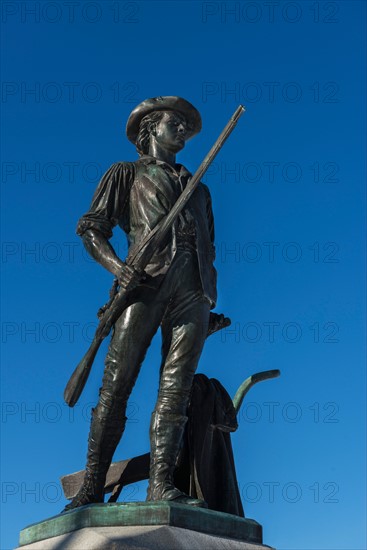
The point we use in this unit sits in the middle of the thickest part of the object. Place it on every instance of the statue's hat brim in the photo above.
(163, 103)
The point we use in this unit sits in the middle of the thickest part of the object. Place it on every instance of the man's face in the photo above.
(170, 132)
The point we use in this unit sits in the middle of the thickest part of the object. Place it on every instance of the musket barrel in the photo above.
(227, 130)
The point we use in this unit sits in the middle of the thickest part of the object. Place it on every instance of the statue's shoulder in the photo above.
(123, 165)
(120, 171)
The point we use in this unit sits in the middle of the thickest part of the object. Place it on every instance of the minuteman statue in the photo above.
(177, 292)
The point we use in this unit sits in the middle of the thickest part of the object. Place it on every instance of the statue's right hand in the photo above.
(129, 277)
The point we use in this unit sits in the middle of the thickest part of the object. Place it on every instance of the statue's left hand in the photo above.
(217, 321)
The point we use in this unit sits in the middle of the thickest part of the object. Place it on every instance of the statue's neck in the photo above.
(158, 152)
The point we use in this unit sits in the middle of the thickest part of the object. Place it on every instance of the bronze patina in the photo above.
(168, 280)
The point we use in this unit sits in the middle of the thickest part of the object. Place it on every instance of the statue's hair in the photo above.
(145, 128)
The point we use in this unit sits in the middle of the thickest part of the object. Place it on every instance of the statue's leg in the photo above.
(132, 335)
(184, 331)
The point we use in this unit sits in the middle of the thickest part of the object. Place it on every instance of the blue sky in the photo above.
(289, 203)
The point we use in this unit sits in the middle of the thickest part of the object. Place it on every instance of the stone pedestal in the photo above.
(138, 526)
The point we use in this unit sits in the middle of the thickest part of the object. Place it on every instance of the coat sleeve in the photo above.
(109, 200)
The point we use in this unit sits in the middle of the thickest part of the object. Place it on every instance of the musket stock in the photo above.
(80, 375)
(139, 257)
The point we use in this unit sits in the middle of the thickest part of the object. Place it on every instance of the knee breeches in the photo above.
(181, 309)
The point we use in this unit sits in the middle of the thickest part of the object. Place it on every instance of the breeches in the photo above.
(183, 313)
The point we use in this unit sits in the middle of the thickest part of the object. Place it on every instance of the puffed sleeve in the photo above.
(109, 200)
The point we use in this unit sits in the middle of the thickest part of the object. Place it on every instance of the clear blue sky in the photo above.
(289, 201)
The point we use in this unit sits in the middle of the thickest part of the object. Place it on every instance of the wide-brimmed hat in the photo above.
(163, 103)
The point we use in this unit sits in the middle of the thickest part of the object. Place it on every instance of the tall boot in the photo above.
(166, 433)
(104, 436)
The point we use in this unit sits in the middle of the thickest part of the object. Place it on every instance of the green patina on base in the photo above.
(144, 513)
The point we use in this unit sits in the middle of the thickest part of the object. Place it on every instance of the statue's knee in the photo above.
(111, 363)
(172, 402)
(110, 406)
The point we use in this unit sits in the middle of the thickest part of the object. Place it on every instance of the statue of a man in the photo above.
(177, 292)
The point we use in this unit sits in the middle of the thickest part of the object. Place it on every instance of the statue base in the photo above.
(143, 525)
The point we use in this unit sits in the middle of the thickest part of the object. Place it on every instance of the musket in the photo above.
(138, 258)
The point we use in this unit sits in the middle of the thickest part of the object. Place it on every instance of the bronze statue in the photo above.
(173, 287)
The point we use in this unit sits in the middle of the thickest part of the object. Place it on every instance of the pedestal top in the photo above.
(162, 513)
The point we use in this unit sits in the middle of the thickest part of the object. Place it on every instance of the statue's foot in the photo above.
(81, 500)
(91, 492)
(174, 495)
(185, 499)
